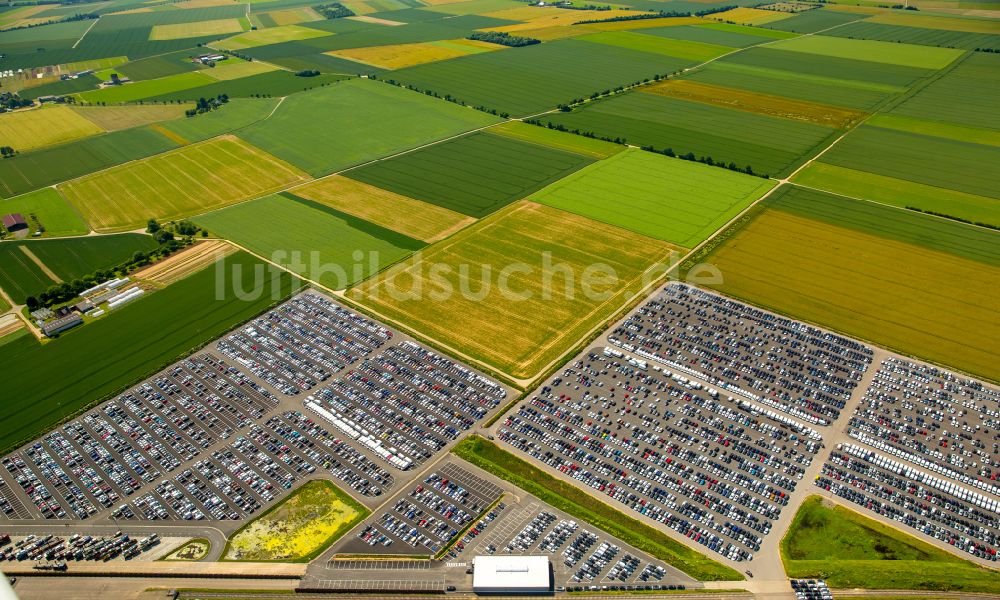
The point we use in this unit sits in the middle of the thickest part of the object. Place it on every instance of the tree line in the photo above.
(503, 38)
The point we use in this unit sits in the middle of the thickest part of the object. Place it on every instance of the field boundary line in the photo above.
(38, 262)
(86, 32)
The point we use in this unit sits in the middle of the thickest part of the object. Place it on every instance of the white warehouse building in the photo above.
(511, 575)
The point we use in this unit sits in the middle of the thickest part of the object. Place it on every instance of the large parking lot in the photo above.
(787, 365)
(926, 454)
(307, 389)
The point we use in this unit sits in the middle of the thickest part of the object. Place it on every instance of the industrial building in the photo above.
(511, 575)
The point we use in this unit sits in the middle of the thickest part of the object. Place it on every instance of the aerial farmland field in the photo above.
(670, 199)
(32, 266)
(191, 180)
(54, 213)
(413, 218)
(964, 95)
(915, 283)
(145, 89)
(34, 129)
(474, 174)
(50, 382)
(770, 145)
(331, 247)
(374, 118)
(454, 293)
(115, 118)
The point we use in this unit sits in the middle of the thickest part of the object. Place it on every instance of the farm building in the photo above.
(61, 324)
(14, 222)
(511, 575)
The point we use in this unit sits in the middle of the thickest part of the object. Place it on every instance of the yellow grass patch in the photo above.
(25, 130)
(172, 135)
(751, 16)
(179, 31)
(547, 34)
(511, 303)
(542, 17)
(188, 261)
(776, 106)
(10, 324)
(177, 184)
(236, 69)
(376, 20)
(114, 118)
(20, 17)
(397, 56)
(38, 263)
(414, 218)
(643, 24)
(291, 16)
(936, 22)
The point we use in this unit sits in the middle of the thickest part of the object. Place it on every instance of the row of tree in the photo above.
(663, 14)
(503, 38)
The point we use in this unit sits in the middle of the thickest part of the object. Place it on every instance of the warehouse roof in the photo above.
(513, 573)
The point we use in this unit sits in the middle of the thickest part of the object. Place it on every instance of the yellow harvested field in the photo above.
(643, 24)
(180, 183)
(937, 22)
(376, 20)
(19, 17)
(272, 35)
(9, 324)
(547, 34)
(397, 56)
(114, 118)
(908, 297)
(186, 262)
(532, 17)
(25, 130)
(236, 69)
(178, 31)
(405, 215)
(292, 16)
(751, 16)
(765, 104)
(359, 7)
(518, 288)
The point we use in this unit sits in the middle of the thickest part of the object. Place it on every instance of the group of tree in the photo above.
(207, 105)
(7, 151)
(571, 6)
(503, 38)
(307, 73)
(333, 10)
(11, 101)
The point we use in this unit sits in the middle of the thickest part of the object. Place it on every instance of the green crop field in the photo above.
(812, 65)
(67, 259)
(371, 120)
(812, 21)
(900, 192)
(952, 131)
(54, 213)
(129, 92)
(665, 198)
(918, 35)
(498, 290)
(560, 140)
(163, 65)
(188, 181)
(814, 88)
(536, 78)
(273, 35)
(852, 551)
(235, 115)
(273, 83)
(965, 95)
(906, 55)
(47, 383)
(706, 35)
(770, 145)
(313, 240)
(936, 161)
(474, 174)
(33, 170)
(917, 284)
(685, 49)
